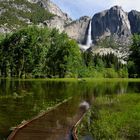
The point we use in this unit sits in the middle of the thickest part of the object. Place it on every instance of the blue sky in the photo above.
(78, 8)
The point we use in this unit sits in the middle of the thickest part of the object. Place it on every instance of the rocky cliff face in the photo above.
(18, 13)
(59, 20)
(78, 29)
(56, 22)
(134, 18)
(15, 14)
(52, 8)
(113, 22)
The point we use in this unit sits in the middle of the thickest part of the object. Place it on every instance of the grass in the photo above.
(113, 118)
(79, 79)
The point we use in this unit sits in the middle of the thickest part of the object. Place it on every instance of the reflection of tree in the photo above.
(134, 87)
(21, 100)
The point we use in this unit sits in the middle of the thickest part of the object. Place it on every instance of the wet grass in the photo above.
(79, 79)
(113, 118)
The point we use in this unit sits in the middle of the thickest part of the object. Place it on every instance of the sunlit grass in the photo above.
(114, 118)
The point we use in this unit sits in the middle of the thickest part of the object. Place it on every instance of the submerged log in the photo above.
(74, 129)
(24, 124)
(55, 124)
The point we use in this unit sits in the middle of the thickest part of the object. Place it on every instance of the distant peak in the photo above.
(116, 8)
(134, 12)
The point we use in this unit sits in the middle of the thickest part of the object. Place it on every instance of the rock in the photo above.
(2, 10)
(56, 22)
(78, 29)
(4, 29)
(113, 22)
(121, 53)
(28, 15)
(134, 18)
(52, 8)
(59, 20)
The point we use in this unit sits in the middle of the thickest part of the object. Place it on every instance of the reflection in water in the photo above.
(22, 100)
(84, 105)
(55, 125)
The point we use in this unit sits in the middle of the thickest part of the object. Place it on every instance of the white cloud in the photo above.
(78, 8)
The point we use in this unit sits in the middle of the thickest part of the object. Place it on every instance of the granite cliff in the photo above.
(78, 29)
(134, 18)
(15, 14)
(112, 23)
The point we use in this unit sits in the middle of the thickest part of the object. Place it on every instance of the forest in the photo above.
(34, 52)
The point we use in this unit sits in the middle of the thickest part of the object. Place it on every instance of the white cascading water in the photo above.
(89, 38)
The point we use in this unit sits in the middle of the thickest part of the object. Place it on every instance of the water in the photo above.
(23, 100)
(89, 37)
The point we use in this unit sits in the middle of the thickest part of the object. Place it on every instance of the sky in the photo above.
(78, 8)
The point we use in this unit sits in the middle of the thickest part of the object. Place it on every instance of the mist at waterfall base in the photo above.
(89, 39)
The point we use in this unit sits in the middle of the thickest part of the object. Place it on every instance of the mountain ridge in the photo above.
(113, 22)
(15, 14)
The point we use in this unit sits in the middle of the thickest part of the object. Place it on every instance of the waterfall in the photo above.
(89, 38)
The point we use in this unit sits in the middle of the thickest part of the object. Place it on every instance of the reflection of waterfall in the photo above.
(89, 39)
(84, 105)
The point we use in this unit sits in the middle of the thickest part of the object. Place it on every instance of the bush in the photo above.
(110, 73)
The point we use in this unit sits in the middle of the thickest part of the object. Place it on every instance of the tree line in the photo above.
(35, 52)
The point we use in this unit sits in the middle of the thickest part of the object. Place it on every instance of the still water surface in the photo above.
(23, 100)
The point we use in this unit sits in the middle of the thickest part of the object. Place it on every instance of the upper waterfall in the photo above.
(89, 38)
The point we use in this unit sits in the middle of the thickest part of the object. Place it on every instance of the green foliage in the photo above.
(18, 12)
(123, 72)
(108, 42)
(107, 66)
(110, 73)
(113, 117)
(134, 58)
(38, 52)
(63, 57)
(1, 37)
(23, 51)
